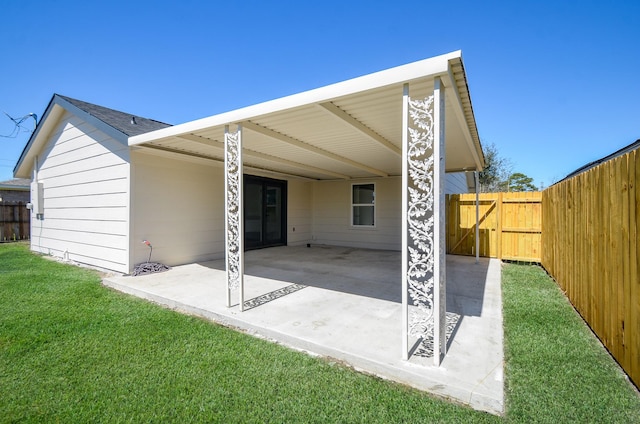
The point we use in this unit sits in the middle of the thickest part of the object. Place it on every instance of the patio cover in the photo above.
(352, 129)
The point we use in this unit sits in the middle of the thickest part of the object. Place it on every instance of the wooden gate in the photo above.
(510, 225)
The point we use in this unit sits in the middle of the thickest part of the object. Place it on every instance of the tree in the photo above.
(496, 171)
(520, 182)
(498, 174)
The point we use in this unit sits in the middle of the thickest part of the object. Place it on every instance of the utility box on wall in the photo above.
(37, 202)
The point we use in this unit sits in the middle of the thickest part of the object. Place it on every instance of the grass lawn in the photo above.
(556, 370)
(72, 350)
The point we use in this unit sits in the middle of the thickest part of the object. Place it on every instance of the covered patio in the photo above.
(372, 153)
(346, 303)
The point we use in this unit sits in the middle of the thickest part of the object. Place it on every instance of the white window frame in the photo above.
(352, 205)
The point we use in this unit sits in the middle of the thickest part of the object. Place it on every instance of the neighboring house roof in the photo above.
(20, 184)
(584, 168)
(117, 124)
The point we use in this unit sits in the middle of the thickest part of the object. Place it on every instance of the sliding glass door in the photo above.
(265, 212)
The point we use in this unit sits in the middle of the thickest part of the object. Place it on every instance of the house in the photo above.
(80, 163)
(593, 164)
(338, 165)
(16, 190)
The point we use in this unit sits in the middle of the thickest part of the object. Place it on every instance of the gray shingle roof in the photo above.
(16, 183)
(127, 123)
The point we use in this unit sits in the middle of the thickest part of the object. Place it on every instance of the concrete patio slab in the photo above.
(345, 303)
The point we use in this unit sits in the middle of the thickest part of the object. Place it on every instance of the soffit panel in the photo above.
(319, 128)
(379, 109)
(270, 146)
(186, 147)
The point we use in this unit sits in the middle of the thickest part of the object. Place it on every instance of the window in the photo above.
(363, 199)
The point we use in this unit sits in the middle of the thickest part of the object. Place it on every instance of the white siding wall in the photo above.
(178, 206)
(85, 176)
(332, 215)
(456, 183)
(332, 212)
(299, 212)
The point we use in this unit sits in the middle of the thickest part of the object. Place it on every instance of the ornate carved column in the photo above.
(234, 219)
(423, 237)
(439, 236)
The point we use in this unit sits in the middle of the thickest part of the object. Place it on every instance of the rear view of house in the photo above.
(363, 163)
(320, 167)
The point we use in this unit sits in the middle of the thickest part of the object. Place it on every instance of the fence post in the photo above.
(499, 226)
(476, 175)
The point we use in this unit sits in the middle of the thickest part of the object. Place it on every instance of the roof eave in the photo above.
(53, 112)
(14, 187)
(23, 166)
(466, 107)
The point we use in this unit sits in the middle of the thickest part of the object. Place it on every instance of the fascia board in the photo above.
(456, 101)
(434, 66)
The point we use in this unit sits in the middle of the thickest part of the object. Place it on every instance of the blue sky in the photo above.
(554, 84)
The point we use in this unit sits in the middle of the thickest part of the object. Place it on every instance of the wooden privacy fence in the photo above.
(590, 239)
(510, 225)
(14, 221)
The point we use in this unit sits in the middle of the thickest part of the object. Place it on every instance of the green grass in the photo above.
(74, 351)
(556, 370)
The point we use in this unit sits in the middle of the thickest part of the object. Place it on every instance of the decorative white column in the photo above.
(423, 230)
(234, 217)
(439, 272)
(405, 234)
